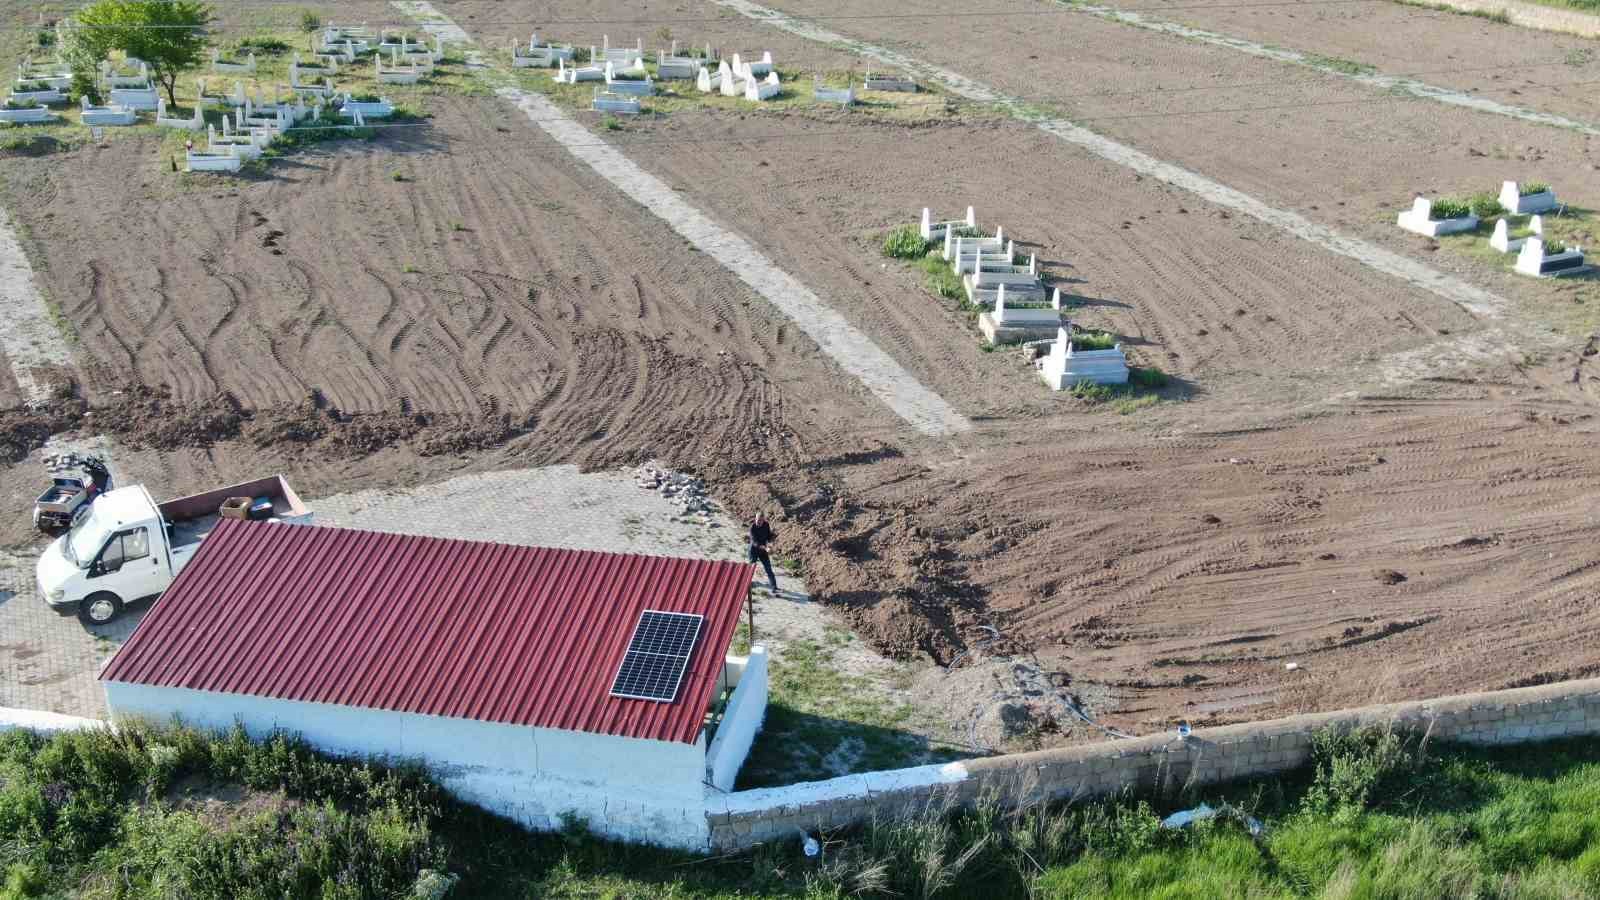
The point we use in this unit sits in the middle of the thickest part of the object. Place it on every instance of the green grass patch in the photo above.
(1531, 188)
(1343, 66)
(823, 721)
(1142, 391)
(148, 813)
(940, 278)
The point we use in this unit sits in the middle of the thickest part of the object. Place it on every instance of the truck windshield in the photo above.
(86, 539)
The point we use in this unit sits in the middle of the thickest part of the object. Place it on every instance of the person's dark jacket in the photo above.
(760, 533)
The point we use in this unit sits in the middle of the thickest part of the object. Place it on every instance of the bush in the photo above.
(267, 45)
(1532, 187)
(1352, 767)
(1450, 208)
(611, 123)
(1485, 206)
(905, 242)
(310, 21)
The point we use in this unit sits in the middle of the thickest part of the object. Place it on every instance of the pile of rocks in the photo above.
(689, 492)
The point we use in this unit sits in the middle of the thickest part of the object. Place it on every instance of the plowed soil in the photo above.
(1541, 70)
(465, 295)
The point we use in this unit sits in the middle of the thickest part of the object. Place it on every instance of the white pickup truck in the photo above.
(129, 548)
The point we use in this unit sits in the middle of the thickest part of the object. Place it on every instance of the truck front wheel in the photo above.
(100, 609)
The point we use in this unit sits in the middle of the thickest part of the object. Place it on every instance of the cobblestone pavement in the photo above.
(49, 662)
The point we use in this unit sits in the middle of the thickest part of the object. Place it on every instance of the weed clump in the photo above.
(905, 242)
(1485, 206)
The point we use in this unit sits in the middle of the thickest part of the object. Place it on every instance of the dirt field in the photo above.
(1549, 72)
(1341, 153)
(499, 304)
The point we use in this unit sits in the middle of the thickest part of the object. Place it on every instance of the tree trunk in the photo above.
(171, 84)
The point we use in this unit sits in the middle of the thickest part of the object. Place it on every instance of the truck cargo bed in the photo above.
(191, 518)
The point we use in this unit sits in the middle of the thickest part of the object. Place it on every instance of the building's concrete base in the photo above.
(1016, 332)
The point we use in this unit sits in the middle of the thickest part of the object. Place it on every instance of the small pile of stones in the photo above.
(689, 492)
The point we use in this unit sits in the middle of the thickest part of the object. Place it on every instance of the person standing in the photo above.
(760, 537)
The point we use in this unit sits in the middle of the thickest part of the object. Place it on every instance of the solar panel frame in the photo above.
(657, 656)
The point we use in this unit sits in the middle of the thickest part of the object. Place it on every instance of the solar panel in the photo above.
(657, 655)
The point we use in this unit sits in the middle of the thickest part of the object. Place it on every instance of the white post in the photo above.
(1055, 300)
(199, 118)
(999, 233)
(955, 260)
(927, 223)
(1537, 225)
(605, 43)
(972, 219)
(1033, 264)
(1011, 250)
(1000, 304)
(977, 267)
(949, 236)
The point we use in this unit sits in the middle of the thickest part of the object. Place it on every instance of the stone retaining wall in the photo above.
(1157, 763)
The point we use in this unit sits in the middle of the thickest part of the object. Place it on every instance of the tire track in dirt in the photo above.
(1387, 83)
(852, 350)
(1475, 300)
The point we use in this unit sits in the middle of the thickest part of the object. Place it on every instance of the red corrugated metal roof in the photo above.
(524, 635)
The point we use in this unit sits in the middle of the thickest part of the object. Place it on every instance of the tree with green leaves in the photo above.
(169, 35)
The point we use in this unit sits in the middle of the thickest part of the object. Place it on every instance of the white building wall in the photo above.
(740, 721)
(631, 789)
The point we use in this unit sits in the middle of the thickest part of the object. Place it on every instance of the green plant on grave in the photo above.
(21, 104)
(1093, 340)
(1485, 206)
(611, 123)
(1531, 188)
(905, 242)
(1551, 248)
(1450, 208)
(966, 231)
(30, 87)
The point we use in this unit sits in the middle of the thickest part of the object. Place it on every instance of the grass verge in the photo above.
(823, 721)
(1376, 815)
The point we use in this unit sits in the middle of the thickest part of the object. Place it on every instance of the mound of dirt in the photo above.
(149, 418)
(24, 430)
(900, 586)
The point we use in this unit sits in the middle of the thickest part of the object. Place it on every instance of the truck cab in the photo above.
(129, 548)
